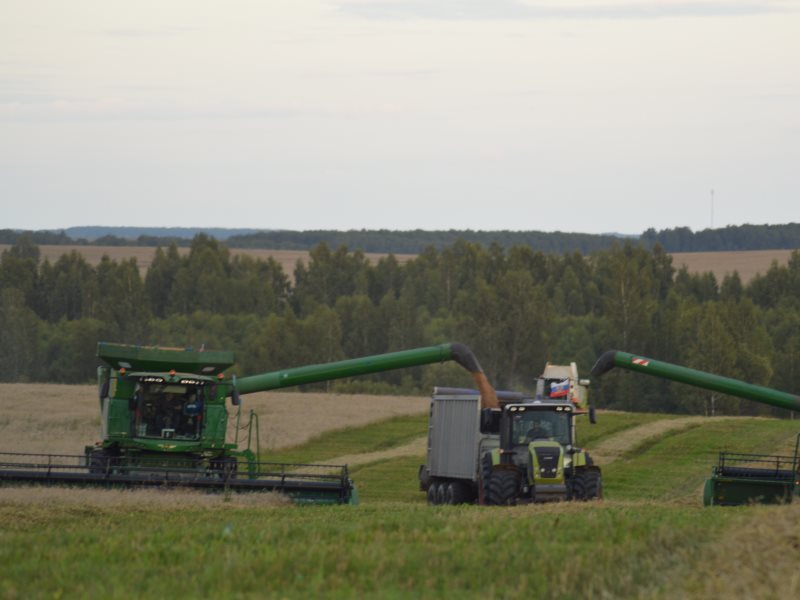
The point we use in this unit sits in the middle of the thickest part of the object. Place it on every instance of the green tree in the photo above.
(20, 333)
(629, 294)
(68, 288)
(160, 278)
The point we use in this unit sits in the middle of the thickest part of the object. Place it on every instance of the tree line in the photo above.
(516, 308)
(679, 239)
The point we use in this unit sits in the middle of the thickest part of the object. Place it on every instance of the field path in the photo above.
(416, 447)
(618, 445)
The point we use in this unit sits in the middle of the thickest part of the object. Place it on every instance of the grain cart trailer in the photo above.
(738, 478)
(165, 416)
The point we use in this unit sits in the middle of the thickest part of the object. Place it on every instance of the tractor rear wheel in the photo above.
(486, 475)
(503, 488)
(457, 493)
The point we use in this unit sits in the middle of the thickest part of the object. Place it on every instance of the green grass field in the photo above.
(649, 538)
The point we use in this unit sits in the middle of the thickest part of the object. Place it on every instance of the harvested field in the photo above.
(748, 264)
(62, 419)
(144, 255)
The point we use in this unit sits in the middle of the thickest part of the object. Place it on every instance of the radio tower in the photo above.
(712, 208)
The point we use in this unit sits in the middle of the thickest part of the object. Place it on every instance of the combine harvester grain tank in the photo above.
(737, 478)
(164, 418)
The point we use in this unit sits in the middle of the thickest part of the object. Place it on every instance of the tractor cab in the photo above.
(532, 422)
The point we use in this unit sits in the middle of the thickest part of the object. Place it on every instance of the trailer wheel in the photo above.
(432, 493)
(441, 493)
(503, 488)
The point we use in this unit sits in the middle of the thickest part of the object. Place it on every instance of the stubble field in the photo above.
(649, 538)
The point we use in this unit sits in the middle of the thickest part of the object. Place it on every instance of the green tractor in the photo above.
(164, 419)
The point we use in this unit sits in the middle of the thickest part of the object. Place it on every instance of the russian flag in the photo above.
(559, 389)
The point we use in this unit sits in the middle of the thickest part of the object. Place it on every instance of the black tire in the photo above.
(486, 475)
(503, 488)
(586, 485)
(458, 493)
(441, 493)
(594, 485)
(432, 494)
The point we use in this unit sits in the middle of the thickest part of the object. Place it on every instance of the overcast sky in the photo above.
(586, 116)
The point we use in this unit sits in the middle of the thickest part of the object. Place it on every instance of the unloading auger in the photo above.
(164, 418)
(737, 478)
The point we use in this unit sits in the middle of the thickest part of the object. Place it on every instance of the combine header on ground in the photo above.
(164, 418)
(738, 478)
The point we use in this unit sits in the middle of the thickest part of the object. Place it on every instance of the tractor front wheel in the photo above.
(586, 485)
(503, 488)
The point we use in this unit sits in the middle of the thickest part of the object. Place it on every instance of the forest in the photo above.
(515, 307)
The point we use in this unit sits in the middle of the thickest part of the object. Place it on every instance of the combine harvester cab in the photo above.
(523, 450)
(164, 418)
(737, 478)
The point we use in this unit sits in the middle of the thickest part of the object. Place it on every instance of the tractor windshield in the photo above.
(169, 411)
(532, 425)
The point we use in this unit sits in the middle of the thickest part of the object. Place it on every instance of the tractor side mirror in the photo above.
(490, 420)
(235, 398)
(592, 415)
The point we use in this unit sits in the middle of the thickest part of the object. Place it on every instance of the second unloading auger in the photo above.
(738, 478)
(164, 418)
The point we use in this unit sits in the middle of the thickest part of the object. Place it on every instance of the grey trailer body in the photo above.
(453, 429)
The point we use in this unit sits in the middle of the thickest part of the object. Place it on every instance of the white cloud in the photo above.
(567, 9)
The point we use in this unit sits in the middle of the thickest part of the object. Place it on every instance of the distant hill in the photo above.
(92, 233)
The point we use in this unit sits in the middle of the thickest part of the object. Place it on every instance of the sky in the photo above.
(560, 115)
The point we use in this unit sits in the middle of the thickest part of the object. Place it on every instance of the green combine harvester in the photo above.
(164, 419)
(738, 478)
